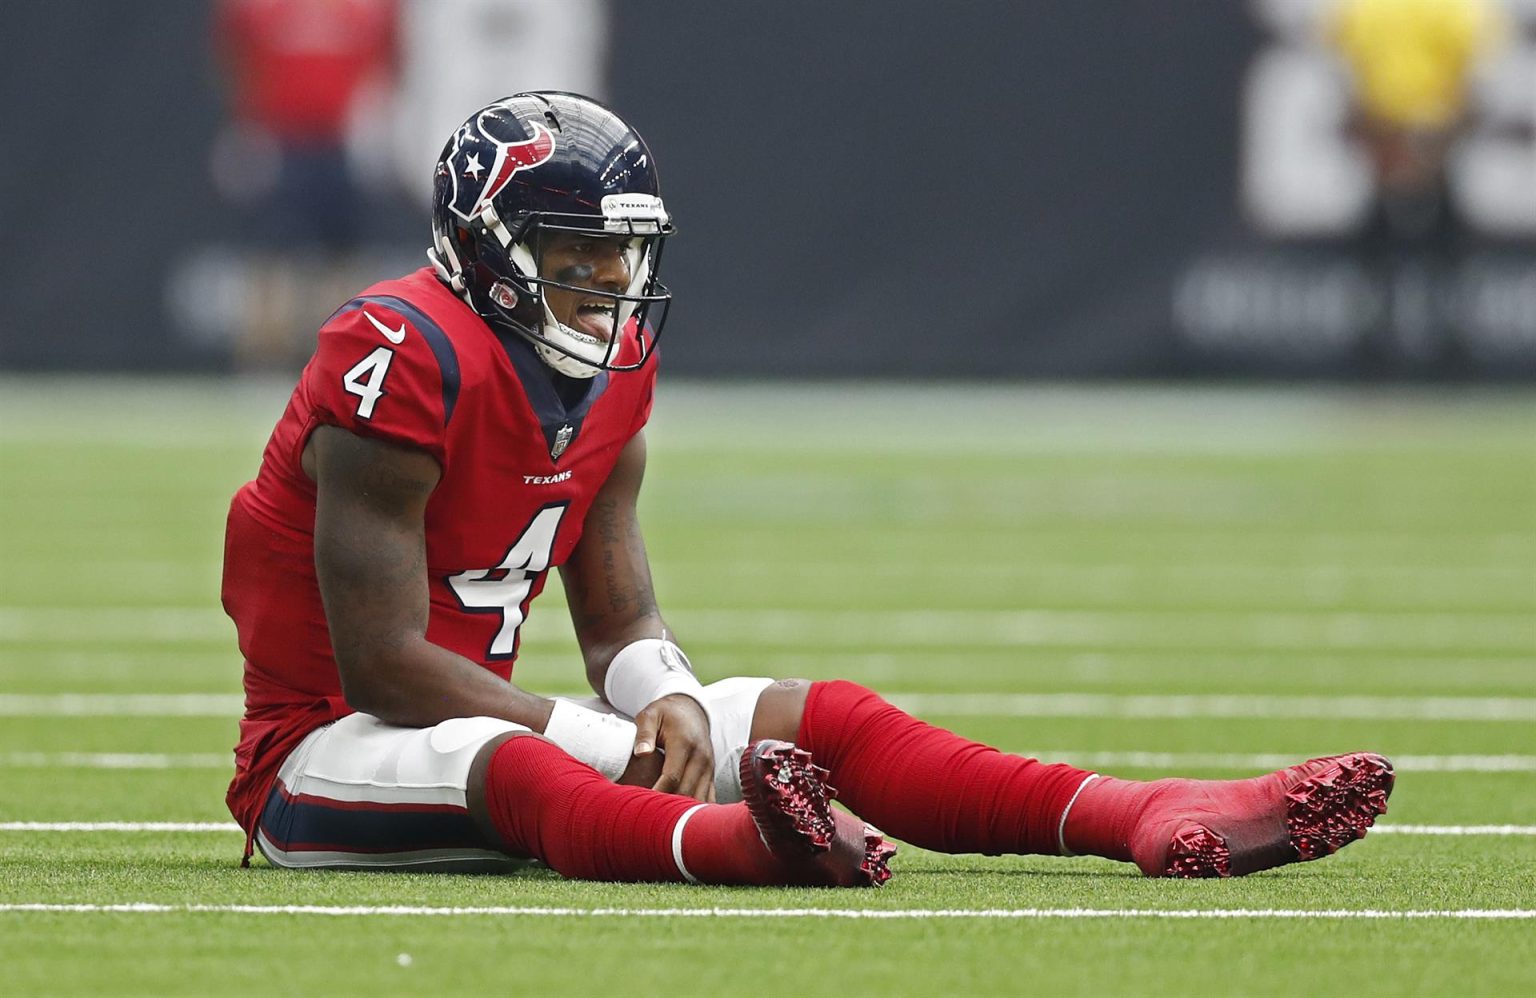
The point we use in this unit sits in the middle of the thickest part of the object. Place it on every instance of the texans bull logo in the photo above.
(470, 174)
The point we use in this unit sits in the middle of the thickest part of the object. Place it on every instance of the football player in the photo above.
(464, 429)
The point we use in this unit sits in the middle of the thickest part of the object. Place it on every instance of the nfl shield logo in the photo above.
(562, 441)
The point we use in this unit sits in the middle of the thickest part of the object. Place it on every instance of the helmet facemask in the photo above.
(515, 295)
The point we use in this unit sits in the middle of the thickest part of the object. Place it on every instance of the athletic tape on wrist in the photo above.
(603, 741)
(647, 670)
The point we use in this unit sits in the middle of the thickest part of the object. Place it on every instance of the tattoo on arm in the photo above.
(391, 492)
(626, 588)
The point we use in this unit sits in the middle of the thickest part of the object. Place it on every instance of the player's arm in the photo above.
(370, 559)
(631, 661)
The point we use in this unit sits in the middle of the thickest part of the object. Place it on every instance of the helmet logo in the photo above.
(514, 156)
(480, 158)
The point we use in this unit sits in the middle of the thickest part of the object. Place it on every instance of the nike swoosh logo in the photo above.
(396, 336)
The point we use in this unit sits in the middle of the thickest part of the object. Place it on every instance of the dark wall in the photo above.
(107, 118)
(938, 188)
(894, 188)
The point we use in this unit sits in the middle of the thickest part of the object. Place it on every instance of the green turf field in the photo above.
(1142, 581)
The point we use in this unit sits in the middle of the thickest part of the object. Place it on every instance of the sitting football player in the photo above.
(465, 428)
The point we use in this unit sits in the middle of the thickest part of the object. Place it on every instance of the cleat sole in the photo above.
(878, 853)
(1328, 811)
(788, 798)
(1198, 852)
(791, 805)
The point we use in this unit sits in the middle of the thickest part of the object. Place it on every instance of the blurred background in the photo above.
(1314, 189)
(1146, 384)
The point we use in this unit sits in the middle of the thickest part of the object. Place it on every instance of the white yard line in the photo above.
(121, 705)
(1090, 705)
(1511, 632)
(1454, 830)
(229, 826)
(1362, 708)
(118, 826)
(1315, 583)
(1178, 761)
(1455, 632)
(1172, 761)
(117, 760)
(915, 914)
(110, 624)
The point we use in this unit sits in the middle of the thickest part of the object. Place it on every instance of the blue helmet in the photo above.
(536, 163)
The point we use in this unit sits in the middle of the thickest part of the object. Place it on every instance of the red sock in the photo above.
(548, 805)
(1103, 817)
(928, 786)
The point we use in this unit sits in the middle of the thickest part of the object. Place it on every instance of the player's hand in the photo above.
(678, 728)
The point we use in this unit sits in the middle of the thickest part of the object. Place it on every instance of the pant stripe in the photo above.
(306, 823)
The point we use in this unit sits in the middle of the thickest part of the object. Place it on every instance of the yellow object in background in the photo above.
(1411, 58)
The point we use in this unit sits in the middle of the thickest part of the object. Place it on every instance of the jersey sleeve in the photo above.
(383, 369)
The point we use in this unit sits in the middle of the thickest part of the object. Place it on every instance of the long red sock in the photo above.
(548, 805)
(929, 786)
(1104, 817)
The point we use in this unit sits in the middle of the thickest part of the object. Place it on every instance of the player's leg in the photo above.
(482, 794)
(534, 799)
(935, 789)
(362, 794)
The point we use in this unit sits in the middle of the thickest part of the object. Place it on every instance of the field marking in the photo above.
(119, 826)
(116, 760)
(1175, 761)
(1161, 628)
(1219, 705)
(394, 911)
(1275, 760)
(1454, 830)
(1315, 582)
(787, 628)
(1089, 705)
(121, 704)
(1320, 585)
(230, 826)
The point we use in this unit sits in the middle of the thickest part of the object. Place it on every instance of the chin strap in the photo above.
(446, 262)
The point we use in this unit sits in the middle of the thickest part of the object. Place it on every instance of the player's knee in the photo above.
(779, 709)
(474, 791)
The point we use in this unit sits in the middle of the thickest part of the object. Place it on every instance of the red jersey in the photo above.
(409, 362)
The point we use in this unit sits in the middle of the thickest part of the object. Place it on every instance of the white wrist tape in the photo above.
(603, 741)
(647, 670)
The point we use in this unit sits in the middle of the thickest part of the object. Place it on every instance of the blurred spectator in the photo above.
(1387, 114)
(1388, 148)
(336, 107)
(1410, 64)
(296, 70)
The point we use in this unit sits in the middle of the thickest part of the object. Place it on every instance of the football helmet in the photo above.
(532, 165)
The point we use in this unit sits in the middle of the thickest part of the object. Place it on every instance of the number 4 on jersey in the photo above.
(505, 588)
(366, 380)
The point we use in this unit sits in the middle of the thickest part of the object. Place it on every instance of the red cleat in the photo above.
(1208, 828)
(791, 804)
